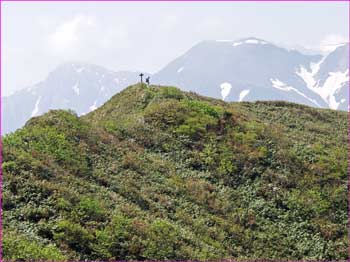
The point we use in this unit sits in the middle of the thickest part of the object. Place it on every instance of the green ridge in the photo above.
(157, 173)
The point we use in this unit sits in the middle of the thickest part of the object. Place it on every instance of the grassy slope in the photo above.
(157, 173)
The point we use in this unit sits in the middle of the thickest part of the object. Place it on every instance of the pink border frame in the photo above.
(1, 249)
(220, 260)
(349, 142)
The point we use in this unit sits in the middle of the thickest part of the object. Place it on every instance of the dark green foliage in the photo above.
(74, 235)
(157, 173)
(90, 209)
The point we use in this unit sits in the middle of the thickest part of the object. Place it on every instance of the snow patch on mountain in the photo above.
(180, 69)
(36, 107)
(225, 89)
(250, 41)
(243, 94)
(278, 84)
(331, 47)
(94, 106)
(331, 86)
(76, 88)
(309, 76)
(79, 70)
(315, 67)
(254, 41)
(237, 43)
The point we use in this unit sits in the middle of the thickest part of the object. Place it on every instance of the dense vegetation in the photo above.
(157, 173)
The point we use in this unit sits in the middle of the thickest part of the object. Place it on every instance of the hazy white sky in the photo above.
(38, 36)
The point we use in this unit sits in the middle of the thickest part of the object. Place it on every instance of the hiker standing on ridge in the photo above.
(147, 80)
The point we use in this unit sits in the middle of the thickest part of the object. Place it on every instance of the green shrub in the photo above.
(165, 114)
(196, 124)
(162, 242)
(203, 107)
(18, 247)
(74, 235)
(90, 209)
(171, 92)
(113, 241)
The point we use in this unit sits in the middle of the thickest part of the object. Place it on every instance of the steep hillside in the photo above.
(157, 173)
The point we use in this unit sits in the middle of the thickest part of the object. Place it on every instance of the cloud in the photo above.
(44, 22)
(69, 34)
(113, 37)
(211, 24)
(84, 38)
(168, 22)
(331, 42)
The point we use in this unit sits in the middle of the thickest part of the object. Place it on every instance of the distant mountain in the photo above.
(77, 86)
(252, 69)
(248, 69)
